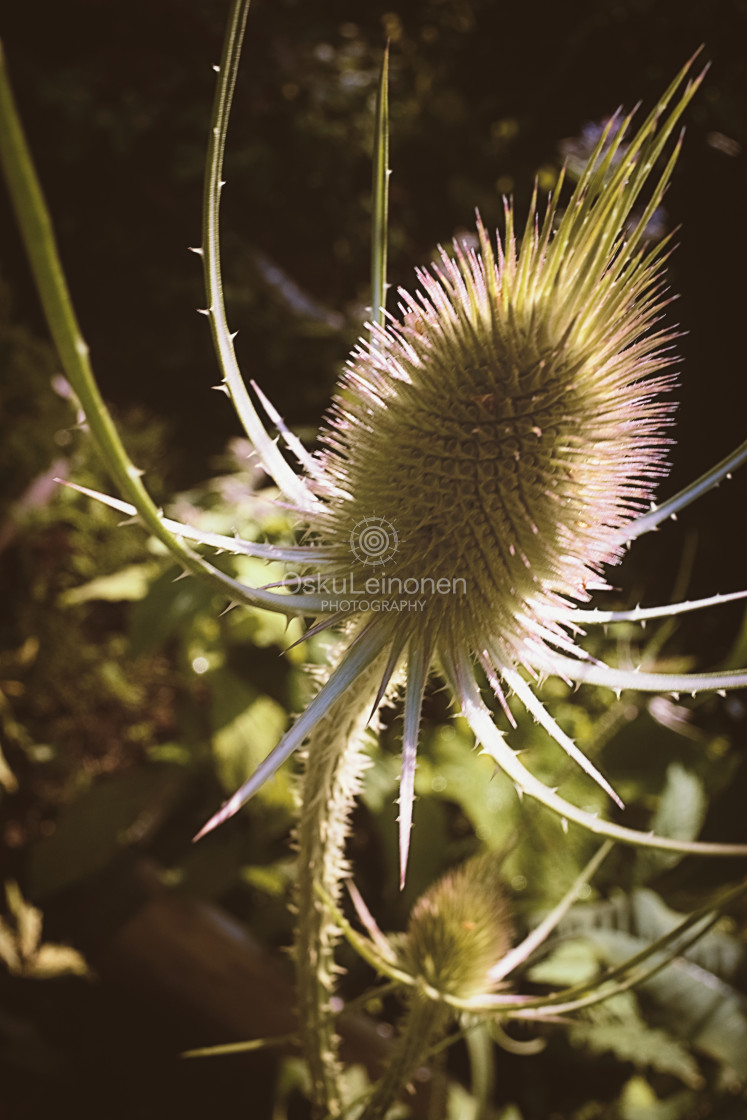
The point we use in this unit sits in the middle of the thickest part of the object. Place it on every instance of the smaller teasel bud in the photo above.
(459, 929)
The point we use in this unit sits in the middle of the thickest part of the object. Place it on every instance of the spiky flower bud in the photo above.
(511, 423)
(458, 930)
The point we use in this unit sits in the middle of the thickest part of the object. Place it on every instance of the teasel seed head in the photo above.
(458, 930)
(507, 427)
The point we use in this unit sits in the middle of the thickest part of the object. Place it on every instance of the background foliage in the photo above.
(129, 702)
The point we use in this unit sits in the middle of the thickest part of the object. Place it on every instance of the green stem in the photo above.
(424, 1021)
(35, 225)
(281, 472)
(334, 766)
(380, 197)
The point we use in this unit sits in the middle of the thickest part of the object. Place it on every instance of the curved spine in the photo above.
(294, 488)
(460, 674)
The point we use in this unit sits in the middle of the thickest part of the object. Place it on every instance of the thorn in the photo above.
(564, 824)
(216, 69)
(231, 606)
(182, 575)
(202, 310)
(195, 249)
(221, 389)
(721, 692)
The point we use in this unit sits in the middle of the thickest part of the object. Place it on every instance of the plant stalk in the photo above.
(423, 1023)
(334, 766)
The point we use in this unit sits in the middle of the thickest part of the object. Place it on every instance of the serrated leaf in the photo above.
(643, 914)
(644, 1047)
(697, 1006)
(717, 952)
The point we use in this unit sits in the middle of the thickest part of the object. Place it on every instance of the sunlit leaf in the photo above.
(575, 962)
(247, 726)
(130, 583)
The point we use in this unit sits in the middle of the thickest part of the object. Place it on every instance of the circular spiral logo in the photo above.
(374, 540)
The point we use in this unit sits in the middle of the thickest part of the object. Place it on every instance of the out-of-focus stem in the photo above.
(335, 763)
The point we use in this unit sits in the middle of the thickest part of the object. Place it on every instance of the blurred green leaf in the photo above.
(130, 583)
(638, 1101)
(168, 608)
(247, 725)
(104, 820)
(21, 945)
(680, 814)
(618, 1028)
(575, 962)
(452, 770)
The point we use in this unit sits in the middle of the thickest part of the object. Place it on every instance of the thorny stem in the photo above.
(424, 1021)
(334, 765)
